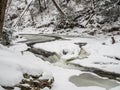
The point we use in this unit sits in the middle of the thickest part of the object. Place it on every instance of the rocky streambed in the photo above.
(90, 77)
(32, 82)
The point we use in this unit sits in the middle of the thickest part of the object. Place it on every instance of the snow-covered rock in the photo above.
(13, 65)
(65, 49)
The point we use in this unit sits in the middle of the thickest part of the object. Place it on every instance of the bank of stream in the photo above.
(90, 77)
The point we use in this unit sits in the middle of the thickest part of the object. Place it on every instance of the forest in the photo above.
(59, 44)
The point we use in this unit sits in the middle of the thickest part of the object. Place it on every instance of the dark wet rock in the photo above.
(8, 87)
(32, 82)
(24, 87)
(41, 52)
(81, 44)
(55, 36)
(100, 72)
(113, 57)
(46, 83)
(92, 33)
(52, 57)
(113, 29)
(65, 52)
(110, 75)
(103, 43)
(25, 75)
(35, 76)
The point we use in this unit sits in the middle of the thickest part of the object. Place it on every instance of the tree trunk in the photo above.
(31, 14)
(45, 4)
(58, 8)
(3, 4)
(40, 6)
(26, 2)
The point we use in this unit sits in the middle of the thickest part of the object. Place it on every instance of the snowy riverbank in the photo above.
(15, 61)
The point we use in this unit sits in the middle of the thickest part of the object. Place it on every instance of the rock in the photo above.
(65, 52)
(35, 76)
(25, 75)
(81, 44)
(32, 82)
(92, 33)
(24, 87)
(8, 87)
(46, 83)
(41, 52)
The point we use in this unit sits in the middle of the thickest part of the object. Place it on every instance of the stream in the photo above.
(90, 77)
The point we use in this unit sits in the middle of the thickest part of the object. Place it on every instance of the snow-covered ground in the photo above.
(101, 52)
(102, 55)
(14, 62)
(65, 49)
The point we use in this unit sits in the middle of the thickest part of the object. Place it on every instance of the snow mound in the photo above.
(14, 64)
(105, 57)
(65, 49)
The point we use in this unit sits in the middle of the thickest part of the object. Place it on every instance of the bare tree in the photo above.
(58, 8)
(3, 4)
(31, 13)
(40, 6)
(45, 4)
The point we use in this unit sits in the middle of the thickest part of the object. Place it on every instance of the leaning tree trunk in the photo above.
(45, 4)
(40, 6)
(3, 4)
(58, 8)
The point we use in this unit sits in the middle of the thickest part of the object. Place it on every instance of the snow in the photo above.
(116, 88)
(15, 60)
(19, 47)
(28, 30)
(1, 88)
(100, 55)
(13, 63)
(98, 52)
(100, 62)
(65, 49)
(47, 75)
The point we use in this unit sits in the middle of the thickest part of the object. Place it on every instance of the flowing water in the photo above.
(88, 79)
(83, 80)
